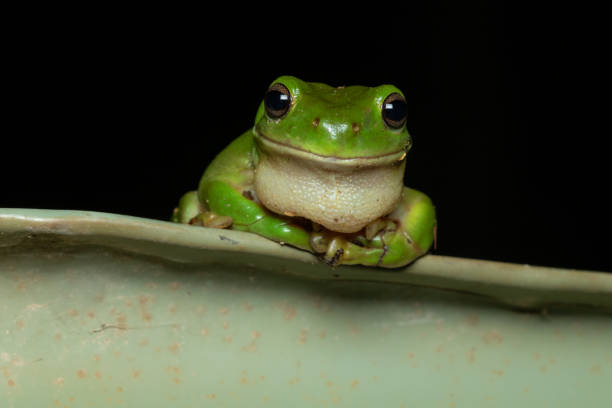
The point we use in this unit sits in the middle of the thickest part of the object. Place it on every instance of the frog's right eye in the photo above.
(277, 101)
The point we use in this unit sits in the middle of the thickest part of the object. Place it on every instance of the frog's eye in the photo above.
(394, 110)
(277, 101)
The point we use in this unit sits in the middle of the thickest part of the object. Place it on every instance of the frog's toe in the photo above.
(335, 258)
(345, 252)
(211, 220)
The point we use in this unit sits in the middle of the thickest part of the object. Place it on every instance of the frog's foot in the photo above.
(348, 249)
(390, 242)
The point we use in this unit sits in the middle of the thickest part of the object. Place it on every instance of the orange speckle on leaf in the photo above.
(289, 312)
(144, 312)
(81, 374)
(174, 348)
(470, 356)
(472, 320)
(303, 336)
(492, 337)
(11, 383)
(251, 348)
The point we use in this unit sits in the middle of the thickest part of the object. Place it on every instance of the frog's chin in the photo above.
(343, 195)
(275, 147)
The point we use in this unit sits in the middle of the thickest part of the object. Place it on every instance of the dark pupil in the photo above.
(396, 110)
(276, 100)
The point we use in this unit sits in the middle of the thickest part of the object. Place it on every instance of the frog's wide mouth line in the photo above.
(360, 161)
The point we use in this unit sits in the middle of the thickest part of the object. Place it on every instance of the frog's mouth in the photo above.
(276, 147)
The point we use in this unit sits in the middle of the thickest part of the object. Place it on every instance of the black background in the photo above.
(121, 112)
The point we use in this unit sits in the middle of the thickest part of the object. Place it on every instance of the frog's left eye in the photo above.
(277, 101)
(394, 110)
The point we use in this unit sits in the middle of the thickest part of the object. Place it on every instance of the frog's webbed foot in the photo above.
(392, 241)
(366, 248)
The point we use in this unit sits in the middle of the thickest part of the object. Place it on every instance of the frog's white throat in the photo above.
(343, 195)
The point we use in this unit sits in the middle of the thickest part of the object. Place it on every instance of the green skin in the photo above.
(223, 201)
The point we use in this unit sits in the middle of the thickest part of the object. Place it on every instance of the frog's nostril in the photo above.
(315, 122)
(356, 128)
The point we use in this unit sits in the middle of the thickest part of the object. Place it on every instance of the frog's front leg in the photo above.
(221, 199)
(393, 241)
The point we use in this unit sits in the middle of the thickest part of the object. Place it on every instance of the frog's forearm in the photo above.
(247, 215)
(225, 189)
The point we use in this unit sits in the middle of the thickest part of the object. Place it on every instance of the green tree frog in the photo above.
(322, 170)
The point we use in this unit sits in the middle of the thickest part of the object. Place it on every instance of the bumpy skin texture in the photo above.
(326, 177)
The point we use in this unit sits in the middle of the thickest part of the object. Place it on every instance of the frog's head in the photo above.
(344, 123)
(335, 156)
